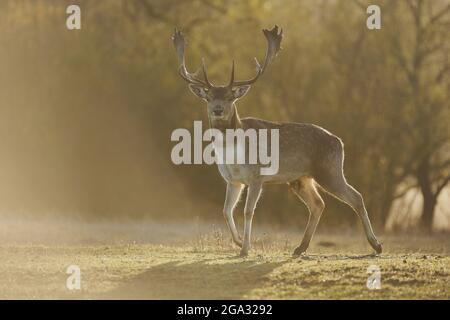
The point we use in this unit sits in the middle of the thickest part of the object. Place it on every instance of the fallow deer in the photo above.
(311, 158)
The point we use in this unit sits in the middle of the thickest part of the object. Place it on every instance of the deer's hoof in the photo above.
(378, 248)
(299, 251)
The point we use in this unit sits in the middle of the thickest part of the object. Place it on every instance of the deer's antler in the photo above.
(273, 47)
(180, 44)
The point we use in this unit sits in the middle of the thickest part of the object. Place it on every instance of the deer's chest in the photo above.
(230, 170)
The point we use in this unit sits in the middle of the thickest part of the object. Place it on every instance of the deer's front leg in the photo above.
(232, 197)
(253, 193)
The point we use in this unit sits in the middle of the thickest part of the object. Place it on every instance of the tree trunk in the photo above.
(429, 198)
(429, 205)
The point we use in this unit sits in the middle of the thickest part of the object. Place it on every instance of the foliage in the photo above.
(93, 109)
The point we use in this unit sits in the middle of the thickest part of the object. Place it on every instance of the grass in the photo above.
(206, 266)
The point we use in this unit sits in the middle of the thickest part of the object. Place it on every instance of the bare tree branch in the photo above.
(442, 73)
(360, 5)
(439, 15)
(151, 12)
(215, 6)
(442, 185)
(404, 191)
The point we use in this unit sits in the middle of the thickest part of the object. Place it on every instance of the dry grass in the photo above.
(118, 261)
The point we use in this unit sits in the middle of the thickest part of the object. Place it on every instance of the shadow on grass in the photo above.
(337, 257)
(197, 280)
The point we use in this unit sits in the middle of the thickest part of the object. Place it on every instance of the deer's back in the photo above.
(304, 148)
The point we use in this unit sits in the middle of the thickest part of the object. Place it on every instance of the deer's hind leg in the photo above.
(335, 183)
(306, 190)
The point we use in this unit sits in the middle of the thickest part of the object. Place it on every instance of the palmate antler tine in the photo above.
(205, 74)
(180, 44)
(232, 75)
(273, 47)
(274, 44)
(189, 79)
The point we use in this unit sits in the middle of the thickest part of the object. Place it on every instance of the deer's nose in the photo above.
(217, 111)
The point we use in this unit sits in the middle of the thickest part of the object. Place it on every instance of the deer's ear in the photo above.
(199, 91)
(240, 91)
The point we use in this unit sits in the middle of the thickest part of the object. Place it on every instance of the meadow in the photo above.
(198, 261)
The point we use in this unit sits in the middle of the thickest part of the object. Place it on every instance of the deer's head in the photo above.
(220, 99)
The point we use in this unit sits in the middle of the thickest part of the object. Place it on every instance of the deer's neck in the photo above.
(233, 123)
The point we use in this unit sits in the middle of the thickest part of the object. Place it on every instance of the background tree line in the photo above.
(86, 115)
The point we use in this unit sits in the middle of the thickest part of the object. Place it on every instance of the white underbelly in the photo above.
(235, 172)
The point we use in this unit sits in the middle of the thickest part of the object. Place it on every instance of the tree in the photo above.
(424, 58)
